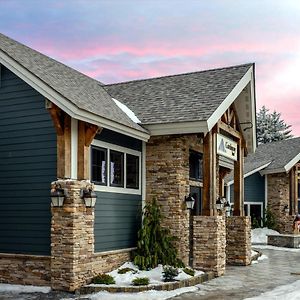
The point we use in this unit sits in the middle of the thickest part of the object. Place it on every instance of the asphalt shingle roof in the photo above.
(84, 92)
(278, 154)
(178, 98)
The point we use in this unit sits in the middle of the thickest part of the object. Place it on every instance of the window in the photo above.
(115, 168)
(195, 165)
(132, 171)
(99, 165)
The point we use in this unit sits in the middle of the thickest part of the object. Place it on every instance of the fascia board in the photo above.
(63, 103)
(214, 118)
(292, 162)
(251, 172)
(176, 128)
(272, 171)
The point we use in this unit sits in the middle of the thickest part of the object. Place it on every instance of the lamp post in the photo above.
(190, 202)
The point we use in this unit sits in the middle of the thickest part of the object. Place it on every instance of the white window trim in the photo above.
(113, 189)
(254, 203)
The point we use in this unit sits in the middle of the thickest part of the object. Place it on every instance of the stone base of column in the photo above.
(238, 240)
(209, 240)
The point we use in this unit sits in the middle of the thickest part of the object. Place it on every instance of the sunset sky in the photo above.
(120, 40)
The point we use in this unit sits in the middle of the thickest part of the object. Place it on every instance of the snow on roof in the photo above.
(127, 111)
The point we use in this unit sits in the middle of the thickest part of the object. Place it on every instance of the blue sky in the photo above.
(121, 40)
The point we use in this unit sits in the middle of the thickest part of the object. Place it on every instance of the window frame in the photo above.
(200, 154)
(125, 151)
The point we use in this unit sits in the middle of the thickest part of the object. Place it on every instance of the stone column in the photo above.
(238, 240)
(72, 239)
(209, 240)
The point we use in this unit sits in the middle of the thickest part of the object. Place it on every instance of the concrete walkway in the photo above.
(243, 282)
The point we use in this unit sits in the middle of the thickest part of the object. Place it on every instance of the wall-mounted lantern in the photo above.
(58, 195)
(190, 202)
(89, 196)
(286, 209)
(227, 207)
(219, 204)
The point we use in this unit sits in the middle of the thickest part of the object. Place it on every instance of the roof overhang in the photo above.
(251, 172)
(285, 169)
(52, 95)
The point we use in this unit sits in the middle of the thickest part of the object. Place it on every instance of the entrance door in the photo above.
(196, 194)
(256, 212)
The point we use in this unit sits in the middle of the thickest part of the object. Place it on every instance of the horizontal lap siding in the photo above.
(117, 220)
(27, 167)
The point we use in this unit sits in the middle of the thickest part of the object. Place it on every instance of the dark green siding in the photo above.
(254, 188)
(27, 167)
(117, 220)
(112, 137)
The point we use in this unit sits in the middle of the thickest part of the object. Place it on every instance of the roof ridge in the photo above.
(280, 141)
(181, 74)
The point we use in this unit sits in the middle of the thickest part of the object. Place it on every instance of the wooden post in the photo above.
(239, 182)
(86, 134)
(209, 174)
(62, 124)
(294, 190)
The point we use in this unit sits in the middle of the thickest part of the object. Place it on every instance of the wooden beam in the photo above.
(230, 130)
(91, 131)
(294, 190)
(239, 182)
(209, 174)
(57, 118)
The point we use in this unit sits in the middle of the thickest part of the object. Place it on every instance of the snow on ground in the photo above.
(15, 288)
(155, 275)
(269, 247)
(284, 292)
(259, 235)
(148, 295)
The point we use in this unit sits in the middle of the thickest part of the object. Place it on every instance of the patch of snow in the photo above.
(259, 235)
(148, 295)
(284, 292)
(154, 275)
(253, 253)
(254, 262)
(127, 111)
(16, 288)
(263, 257)
(277, 248)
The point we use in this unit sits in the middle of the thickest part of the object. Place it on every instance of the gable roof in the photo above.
(79, 95)
(271, 158)
(178, 98)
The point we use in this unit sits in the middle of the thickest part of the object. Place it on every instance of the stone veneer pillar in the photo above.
(209, 240)
(238, 240)
(72, 239)
(278, 198)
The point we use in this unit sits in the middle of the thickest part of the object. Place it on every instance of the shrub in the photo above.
(255, 223)
(169, 273)
(126, 270)
(103, 279)
(140, 281)
(189, 271)
(155, 244)
(270, 220)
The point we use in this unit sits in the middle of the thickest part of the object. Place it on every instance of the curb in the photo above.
(168, 286)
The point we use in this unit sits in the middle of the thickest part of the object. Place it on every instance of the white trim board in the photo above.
(63, 103)
(250, 173)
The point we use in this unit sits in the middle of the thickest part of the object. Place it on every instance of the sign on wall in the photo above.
(226, 147)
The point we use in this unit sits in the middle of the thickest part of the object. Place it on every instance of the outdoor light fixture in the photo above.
(286, 209)
(89, 196)
(189, 201)
(58, 195)
(219, 204)
(227, 208)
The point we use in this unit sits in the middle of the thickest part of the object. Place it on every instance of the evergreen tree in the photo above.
(155, 244)
(270, 127)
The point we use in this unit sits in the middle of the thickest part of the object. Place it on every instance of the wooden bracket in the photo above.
(57, 118)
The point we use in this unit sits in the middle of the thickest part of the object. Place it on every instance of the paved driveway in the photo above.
(244, 282)
(237, 283)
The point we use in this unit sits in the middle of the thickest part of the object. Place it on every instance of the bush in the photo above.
(270, 220)
(169, 273)
(140, 281)
(125, 270)
(103, 279)
(255, 223)
(155, 244)
(189, 271)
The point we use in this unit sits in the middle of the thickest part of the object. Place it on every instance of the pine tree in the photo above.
(270, 127)
(155, 244)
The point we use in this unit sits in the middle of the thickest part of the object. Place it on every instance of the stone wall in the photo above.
(25, 269)
(167, 173)
(209, 242)
(278, 198)
(238, 240)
